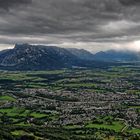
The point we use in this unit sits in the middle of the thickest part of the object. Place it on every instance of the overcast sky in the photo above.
(90, 24)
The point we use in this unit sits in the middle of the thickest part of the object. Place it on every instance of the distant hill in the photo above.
(81, 53)
(108, 56)
(119, 56)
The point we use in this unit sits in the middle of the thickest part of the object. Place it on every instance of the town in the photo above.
(83, 103)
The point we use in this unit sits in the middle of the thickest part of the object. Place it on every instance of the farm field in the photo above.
(70, 104)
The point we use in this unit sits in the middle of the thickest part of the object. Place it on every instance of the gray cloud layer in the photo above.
(69, 21)
(8, 4)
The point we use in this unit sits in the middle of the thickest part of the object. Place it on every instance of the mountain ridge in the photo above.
(40, 57)
(81, 53)
(36, 57)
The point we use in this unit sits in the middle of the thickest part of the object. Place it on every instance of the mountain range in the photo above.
(117, 56)
(39, 57)
(107, 56)
(25, 56)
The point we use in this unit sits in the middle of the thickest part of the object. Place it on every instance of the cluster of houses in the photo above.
(76, 108)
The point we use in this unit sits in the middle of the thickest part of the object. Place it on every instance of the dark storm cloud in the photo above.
(60, 21)
(130, 2)
(6, 4)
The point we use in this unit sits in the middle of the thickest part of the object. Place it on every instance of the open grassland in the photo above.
(116, 126)
(7, 98)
